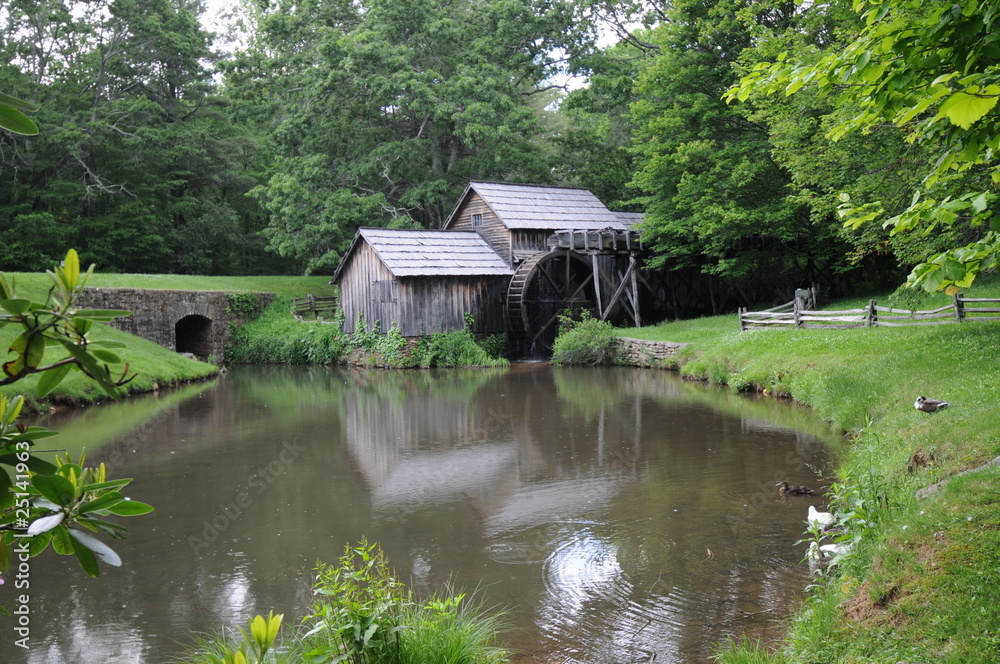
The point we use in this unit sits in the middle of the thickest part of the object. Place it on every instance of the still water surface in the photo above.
(622, 515)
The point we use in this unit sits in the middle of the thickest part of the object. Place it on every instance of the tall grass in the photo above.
(275, 337)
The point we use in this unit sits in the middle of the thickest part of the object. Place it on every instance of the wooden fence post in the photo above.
(795, 311)
(740, 311)
(959, 308)
(872, 314)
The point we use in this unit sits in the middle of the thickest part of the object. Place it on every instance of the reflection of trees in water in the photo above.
(589, 498)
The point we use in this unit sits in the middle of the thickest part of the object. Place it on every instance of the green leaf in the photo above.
(953, 270)
(131, 508)
(16, 306)
(86, 557)
(110, 484)
(964, 108)
(71, 270)
(61, 542)
(103, 502)
(105, 356)
(36, 351)
(17, 122)
(19, 104)
(56, 488)
(51, 379)
(39, 543)
(6, 497)
(100, 549)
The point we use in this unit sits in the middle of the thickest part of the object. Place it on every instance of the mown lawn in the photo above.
(924, 581)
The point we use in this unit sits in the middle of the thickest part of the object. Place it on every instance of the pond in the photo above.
(621, 515)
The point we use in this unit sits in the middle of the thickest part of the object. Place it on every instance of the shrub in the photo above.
(588, 342)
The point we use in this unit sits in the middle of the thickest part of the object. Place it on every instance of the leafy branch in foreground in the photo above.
(932, 70)
(61, 504)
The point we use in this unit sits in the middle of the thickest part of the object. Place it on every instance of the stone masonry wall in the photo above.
(643, 353)
(156, 314)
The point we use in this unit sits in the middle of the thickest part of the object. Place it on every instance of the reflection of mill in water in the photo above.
(432, 448)
(570, 482)
(532, 505)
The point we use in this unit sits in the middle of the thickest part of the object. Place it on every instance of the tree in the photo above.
(385, 109)
(60, 504)
(930, 69)
(138, 166)
(715, 198)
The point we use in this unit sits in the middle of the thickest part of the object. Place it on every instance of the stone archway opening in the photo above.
(193, 334)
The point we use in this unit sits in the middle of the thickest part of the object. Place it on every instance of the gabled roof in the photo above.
(412, 253)
(528, 206)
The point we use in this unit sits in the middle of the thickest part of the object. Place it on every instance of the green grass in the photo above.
(153, 365)
(924, 584)
(38, 283)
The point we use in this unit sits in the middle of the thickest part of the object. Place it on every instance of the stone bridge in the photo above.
(195, 322)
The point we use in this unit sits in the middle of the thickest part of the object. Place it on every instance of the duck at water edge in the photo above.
(821, 520)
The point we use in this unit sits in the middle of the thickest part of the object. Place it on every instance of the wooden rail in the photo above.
(316, 307)
(796, 314)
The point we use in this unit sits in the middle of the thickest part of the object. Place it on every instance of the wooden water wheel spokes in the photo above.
(542, 288)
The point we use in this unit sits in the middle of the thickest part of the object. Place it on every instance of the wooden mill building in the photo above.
(512, 256)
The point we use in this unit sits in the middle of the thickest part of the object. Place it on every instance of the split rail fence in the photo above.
(797, 313)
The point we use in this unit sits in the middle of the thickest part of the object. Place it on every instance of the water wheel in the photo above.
(543, 287)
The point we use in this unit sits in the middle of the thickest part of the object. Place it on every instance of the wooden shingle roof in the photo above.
(412, 253)
(526, 206)
(630, 219)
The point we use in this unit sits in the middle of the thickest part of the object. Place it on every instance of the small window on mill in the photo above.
(477, 221)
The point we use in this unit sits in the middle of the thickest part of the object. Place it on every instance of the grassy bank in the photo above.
(922, 583)
(153, 365)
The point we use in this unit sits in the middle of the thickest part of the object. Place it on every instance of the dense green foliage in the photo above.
(930, 71)
(160, 154)
(917, 560)
(363, 615)
(587, 342)
(276, 337)
(138, 164)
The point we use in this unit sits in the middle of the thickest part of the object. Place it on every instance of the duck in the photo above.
(820, 551)
(821, 520)
(787, 489)
(929, 405)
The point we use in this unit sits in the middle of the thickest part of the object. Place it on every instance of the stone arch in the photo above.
(193, 334)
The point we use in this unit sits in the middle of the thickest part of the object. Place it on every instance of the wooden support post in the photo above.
(872, 314)
(634, 269)
(597, 286)
(796, 308)
(740, 311)
(959, 307)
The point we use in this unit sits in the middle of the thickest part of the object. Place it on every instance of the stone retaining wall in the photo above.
(643, 353)
(196, 322)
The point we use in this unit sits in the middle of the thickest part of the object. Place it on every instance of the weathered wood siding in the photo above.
(366, 287)
(492, 230)
(436, 304)
(418, 305)
(529, 240)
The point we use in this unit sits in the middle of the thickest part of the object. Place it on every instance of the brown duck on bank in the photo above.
(786, 489)
(929, 405)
